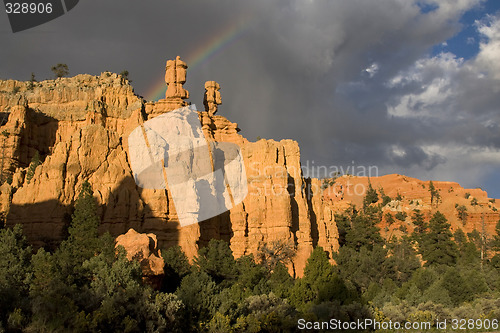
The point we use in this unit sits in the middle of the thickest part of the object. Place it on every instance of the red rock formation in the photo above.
(144, 249)
(211, 98)
(80, 128)
(415, 194)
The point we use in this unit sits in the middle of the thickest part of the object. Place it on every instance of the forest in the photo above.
(86, 285)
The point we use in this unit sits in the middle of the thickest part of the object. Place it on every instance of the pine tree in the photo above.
(495, 246)
(437, 245)
(35, 162)
(403, 259)
(217, 261)
(468, 251)
(83, 241)
(176, 267)
(435, 196)
(31, 83)
(280, 281)
(5, 135)
(495, 243)
(60, 70)
(389, 219)
(320, 282)
(462, 213)
(457, 288)
(420, 226)
(363, 232)
(15, 255)
(371, 195)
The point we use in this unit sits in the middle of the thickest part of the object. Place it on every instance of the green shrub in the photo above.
(401, 216)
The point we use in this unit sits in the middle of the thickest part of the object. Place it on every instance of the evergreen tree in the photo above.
(83, 241)
(320, 282)
(402, 259)
(462, 213)
(124, 77)
(385, 198)
(456, 286)
(218, 262)
(252, 277)
(343, 222)
(176, 267)
(420, 227)
(365, 266)
(389, 219)
(119, 301)
(371, 195)
(423, 278)
(60, 70)
(469, 255)
(52, 297)
(176, 259)
(435, 196)
(32, 81)
(363, 232)
(460, 239)
(198, 293)
(280, 281)
(495, 242)
(35, 162)
(15, 256)
(437, 245)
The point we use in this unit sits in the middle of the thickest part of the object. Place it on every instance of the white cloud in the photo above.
(372, 69)
(444, 82)
(435, 78)
(488, 59)
(458, 99)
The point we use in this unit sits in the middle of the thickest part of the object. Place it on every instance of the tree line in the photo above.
(86, 285)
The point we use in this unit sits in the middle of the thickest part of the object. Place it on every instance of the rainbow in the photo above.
(204, 53)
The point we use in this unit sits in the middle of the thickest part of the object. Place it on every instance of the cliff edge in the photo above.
(79, 127)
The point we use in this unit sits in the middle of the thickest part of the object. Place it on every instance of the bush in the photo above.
(31, 82)
(60, 70)
(371, 195)
(401, 216)
(389, 219)
(462, 213)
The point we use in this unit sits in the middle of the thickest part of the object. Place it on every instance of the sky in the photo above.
(410, 87)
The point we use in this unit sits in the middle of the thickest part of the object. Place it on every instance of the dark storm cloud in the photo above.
(316, 71)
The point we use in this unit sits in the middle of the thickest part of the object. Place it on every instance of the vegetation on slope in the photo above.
(86, 285)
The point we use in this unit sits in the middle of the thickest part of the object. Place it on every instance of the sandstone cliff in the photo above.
(80, 127)
(409, 194)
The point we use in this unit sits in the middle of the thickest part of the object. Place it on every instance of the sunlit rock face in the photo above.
(144, 249)
(81, 128)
